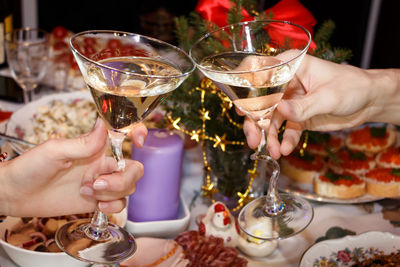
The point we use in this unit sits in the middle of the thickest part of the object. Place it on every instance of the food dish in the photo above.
(166, 228)
(21, 120)
(339, 252)
(306, 191)
(340, 186)
(28, 258)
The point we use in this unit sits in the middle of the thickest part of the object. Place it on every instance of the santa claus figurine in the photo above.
(219, 222)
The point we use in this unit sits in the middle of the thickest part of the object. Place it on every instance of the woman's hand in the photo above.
(72, 176)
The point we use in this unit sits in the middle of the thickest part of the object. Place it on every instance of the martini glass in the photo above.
(252, 63)
(128, 75)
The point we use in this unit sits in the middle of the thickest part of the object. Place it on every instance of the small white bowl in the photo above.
(28, 258)
(162, 229)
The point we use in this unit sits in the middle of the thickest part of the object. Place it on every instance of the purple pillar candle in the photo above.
(157, 192)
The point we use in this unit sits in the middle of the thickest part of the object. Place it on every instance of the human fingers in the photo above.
(239, 112)
(303, 108)
(116, 185)
(112, 206)
(291, 138)
(273, 143)
(65, 150)
(252, 133)
(138, 135)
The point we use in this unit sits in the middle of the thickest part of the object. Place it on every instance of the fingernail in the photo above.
(103, 205)
(87, 191)
(141, 140)
(100, 185)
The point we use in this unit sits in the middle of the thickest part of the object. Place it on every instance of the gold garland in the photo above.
(200, 135)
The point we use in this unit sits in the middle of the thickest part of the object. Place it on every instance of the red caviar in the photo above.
(363, 137)
(334, 142)
(343, 181)
(351, 163)
(382, 175)
(391, 155)
(316, 164)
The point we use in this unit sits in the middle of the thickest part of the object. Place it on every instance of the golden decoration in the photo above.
(175, 123)
(304, 145)
(200, 135)
(220, 142)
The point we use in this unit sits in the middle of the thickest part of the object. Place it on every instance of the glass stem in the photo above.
(117, 138)
(99, 223)
(274, 205)
(32, 95)
(97, 229)
(26, 97)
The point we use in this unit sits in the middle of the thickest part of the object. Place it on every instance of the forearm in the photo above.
(385, 101)
(4, 199)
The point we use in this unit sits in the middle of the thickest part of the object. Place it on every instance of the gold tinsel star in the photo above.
(175, 123)
(220, 141)
(209, 190)
(195, 135)
(205, 114)
(243, 197)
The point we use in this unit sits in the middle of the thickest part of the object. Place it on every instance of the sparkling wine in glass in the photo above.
(27, 52)
(128, 75)
(253, 63)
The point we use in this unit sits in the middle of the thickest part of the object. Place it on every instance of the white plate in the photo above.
(306, 191)
(342, 251)
(22, 118)
(164, 229)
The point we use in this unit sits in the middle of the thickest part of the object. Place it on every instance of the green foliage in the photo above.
(324, 50)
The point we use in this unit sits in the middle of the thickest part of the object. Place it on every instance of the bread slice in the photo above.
(322, 144)
(371, 140)
(340, 186)
(355, 162)
(389, 158)
(383, 182)
(302, 169)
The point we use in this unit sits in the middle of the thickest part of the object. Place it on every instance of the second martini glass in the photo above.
(252, 63)
(128, 75)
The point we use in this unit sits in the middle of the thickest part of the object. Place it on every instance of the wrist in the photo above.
(385, 100)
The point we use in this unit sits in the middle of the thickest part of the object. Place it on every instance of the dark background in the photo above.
(350, 16)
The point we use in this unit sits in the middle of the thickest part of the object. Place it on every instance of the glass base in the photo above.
(257, 223)
(73, 240)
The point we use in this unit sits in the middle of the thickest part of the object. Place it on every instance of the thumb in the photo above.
(304, 108)
(83, 146)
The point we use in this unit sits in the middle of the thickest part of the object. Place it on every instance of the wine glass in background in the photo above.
(252, 63)
(27, 52)
(128, 75)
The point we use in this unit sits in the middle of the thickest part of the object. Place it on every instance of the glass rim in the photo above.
(123, 33)
(9, 36)
(302, 51)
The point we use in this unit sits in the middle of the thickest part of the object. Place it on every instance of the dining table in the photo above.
(331, 220)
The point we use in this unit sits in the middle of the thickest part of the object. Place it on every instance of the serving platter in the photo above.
(306, 191)
(21, 124)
